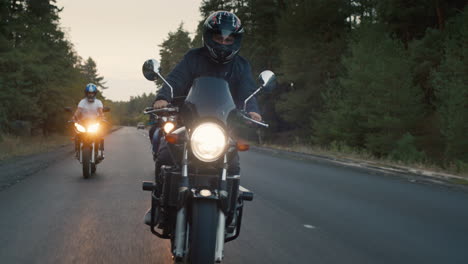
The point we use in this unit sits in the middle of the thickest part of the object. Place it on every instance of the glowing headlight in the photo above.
(208, 142)
(80, 127)
(168, 127)
(93, 128)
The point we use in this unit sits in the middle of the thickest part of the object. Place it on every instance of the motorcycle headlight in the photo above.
(80, 127)
(93, 128)
(168, 127)
(208, 142)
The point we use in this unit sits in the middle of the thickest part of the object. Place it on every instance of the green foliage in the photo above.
(89, 70)
(409, 20)
(376, 102)
(173, 49)
(426, 55)
(406, 151)
(366, 75)
(130, 113)
(311, 35)
(40, 72)
(451, 89)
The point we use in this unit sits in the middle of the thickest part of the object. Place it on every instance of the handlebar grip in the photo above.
(253, 120)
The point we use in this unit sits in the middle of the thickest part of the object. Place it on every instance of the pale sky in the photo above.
(120, 35)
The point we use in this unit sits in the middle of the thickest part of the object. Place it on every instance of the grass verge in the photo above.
(357, 156)
(14, 146)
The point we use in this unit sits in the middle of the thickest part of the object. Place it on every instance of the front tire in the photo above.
(203, 231)
(86, 162)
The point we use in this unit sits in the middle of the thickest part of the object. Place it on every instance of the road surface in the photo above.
(303, 212)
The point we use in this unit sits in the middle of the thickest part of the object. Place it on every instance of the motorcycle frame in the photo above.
(85, 141)
(186, 193)
(181, 233)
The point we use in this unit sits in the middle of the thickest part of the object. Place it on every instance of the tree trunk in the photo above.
(440, 16)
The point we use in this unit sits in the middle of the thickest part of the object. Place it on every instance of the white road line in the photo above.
(309, 226)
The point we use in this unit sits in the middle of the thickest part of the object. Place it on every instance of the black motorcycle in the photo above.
(88, 142)
(194, 202)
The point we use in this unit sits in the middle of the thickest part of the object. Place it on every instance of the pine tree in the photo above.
(173, 49)
(451, 90)
(311, 38)
(90, 72)
(376, 103)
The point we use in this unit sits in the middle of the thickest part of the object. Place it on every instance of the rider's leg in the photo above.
(155, 141)
(163, 158)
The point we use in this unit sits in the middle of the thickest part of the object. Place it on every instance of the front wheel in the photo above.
(203, 231)
(87, 170)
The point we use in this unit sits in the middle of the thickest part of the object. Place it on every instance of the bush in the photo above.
(406, 151)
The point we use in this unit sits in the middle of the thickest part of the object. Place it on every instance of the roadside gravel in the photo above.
(411, 174)
(16, 169)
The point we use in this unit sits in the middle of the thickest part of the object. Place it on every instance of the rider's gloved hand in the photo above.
(160, 104)
(255, 116)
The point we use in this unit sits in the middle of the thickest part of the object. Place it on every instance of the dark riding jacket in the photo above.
(197, 63)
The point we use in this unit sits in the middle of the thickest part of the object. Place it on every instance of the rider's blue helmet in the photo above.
(90, 92)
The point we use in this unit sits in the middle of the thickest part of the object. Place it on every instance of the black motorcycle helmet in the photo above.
(222, 36)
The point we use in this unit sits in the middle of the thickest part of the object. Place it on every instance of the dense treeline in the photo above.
(389, 78)
(40, 72)
(129, 113)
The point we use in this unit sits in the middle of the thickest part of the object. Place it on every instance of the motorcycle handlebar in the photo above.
(254, 121)
(77, 121)
(150, 110)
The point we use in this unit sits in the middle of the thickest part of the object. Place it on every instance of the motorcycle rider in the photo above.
(88, 107)
(222, 37)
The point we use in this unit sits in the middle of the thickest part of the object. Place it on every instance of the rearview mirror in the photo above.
(151, 72)
(151, 69)
(267, 80)
(67, 109)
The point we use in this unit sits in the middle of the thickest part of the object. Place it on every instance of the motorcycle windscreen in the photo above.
(209, 97)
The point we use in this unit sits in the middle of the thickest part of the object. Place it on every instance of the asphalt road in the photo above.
(303, 212)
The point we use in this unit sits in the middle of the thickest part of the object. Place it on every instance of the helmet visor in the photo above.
(222, 39)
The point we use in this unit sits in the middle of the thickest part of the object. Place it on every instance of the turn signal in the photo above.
(172, 138)
(242, 146)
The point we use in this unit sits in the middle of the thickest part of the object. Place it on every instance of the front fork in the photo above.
(81, 152)
(181, 231)
(181, 223)
(222, 218)
(93, 157)
(92, 152)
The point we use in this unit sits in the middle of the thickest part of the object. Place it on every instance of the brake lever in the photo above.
(254, 121)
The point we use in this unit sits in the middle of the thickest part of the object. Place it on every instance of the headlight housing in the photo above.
(93, 128)
(208, 141)
(80, 128)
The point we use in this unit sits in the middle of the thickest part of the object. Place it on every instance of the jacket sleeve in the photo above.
(179, 78)
(247, 88)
